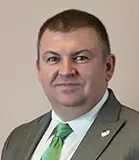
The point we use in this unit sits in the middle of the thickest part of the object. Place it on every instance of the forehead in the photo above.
(83, 38)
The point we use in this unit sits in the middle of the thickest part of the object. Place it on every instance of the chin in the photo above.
(71, 103)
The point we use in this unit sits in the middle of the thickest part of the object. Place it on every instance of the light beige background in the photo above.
(22, 98)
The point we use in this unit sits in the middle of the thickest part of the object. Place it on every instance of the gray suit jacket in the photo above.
(122, 143)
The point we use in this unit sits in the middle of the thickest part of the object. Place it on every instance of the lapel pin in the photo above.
(105, 133)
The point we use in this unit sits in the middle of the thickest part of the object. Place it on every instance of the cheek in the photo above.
(94, 75)
(45, 77)
(45, 81)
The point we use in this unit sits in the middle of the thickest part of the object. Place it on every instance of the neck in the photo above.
(68, 113)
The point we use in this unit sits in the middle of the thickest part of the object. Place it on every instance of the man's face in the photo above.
(71, 68)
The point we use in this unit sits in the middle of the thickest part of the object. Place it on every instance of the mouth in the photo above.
(68, 88)
(68, 85)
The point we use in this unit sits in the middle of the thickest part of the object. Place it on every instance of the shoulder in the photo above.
(20, 133)
(129, 114)
(24, 128)
(130, 130)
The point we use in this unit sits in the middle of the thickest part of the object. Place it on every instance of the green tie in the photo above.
(54, 149)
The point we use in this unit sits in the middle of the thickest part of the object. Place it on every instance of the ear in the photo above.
(110, 66)
(38, 69)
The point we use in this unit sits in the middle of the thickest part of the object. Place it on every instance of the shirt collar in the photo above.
(81, 125)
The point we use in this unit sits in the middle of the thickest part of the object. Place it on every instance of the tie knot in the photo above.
(63, 130)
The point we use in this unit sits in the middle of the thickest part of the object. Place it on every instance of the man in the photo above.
(74, 67)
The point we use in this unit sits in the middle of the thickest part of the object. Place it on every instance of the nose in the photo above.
(67, 68)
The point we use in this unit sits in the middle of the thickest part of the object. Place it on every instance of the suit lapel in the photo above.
(34, 137)
(94, 143)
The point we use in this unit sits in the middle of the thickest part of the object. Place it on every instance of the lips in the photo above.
(68, 84)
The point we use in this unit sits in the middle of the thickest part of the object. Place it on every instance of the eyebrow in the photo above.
(73, 53)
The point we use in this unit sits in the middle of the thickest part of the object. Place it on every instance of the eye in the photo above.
(81, 59)
(53, 60)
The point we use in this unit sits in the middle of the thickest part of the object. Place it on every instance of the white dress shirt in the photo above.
(80, 126)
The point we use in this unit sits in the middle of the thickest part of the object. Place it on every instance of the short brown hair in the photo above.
(72, 19)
